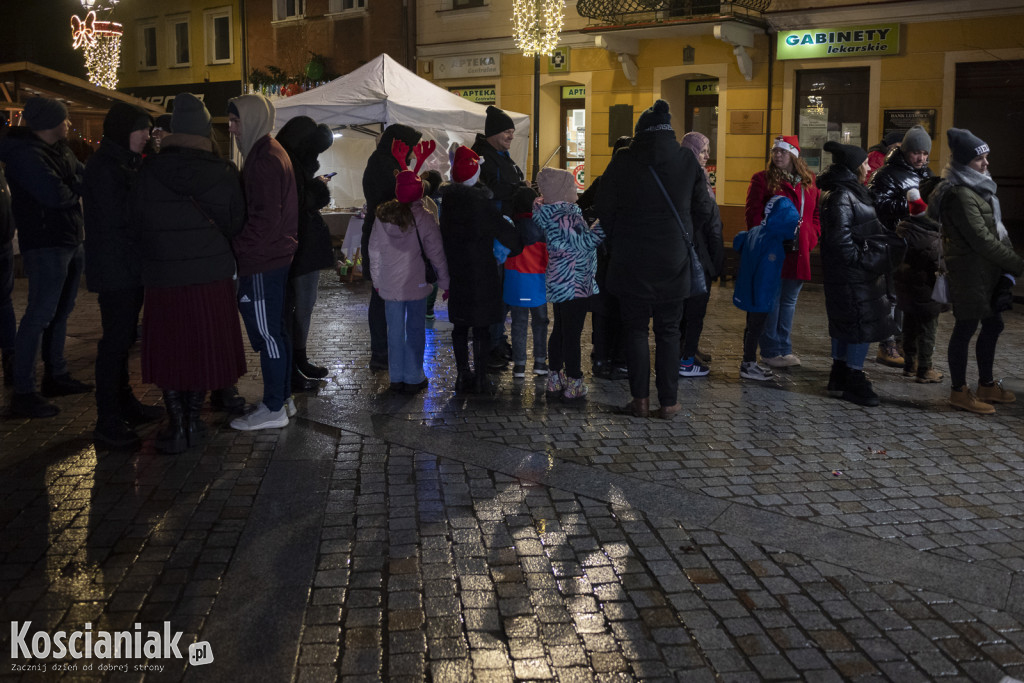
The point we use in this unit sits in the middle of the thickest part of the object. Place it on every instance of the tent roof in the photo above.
(22, 80)
(383, 91)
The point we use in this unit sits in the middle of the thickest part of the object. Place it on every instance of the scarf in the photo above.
(981, 183)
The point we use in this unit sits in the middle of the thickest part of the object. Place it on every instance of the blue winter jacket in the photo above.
(761, 256)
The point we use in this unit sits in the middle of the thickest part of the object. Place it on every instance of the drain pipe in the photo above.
(771, 80)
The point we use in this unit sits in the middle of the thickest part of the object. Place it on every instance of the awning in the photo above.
(20, 81)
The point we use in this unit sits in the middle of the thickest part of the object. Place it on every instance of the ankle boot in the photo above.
(465, 381)
(482, 385)
(173, 438)
(195, 428)
(303, 365)
(8, 367)
(858, 389)
(837, 378)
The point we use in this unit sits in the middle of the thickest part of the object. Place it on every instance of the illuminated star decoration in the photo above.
(101, 42)
(536, 25)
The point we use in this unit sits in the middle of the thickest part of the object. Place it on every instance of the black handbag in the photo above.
(793, 246)
(430, 274)
(698, 282)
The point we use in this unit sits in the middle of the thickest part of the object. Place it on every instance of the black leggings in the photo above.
(460, 347)
(564, 343)
(984, 348)
(751, 335)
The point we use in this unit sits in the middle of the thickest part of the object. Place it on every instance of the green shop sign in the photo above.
(880, 40)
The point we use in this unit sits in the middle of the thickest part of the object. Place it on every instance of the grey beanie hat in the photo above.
(44, 113)
(917, 140)
(965, 145)
(190, 116)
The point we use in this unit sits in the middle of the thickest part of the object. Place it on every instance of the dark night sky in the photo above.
(39, 31)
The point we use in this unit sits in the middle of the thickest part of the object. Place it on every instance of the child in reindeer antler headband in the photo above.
(405, 248)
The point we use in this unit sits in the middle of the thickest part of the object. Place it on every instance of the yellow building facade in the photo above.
(725, 74)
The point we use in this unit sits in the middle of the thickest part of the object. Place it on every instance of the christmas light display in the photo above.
(101, 43)
(536, 25)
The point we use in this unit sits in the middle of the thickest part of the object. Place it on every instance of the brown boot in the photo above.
(638, 407)
(964, 399)
(666, 412)
(995, 394)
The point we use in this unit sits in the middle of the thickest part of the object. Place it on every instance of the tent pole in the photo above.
(535, 124)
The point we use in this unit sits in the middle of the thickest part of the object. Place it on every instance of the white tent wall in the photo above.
(384, 92)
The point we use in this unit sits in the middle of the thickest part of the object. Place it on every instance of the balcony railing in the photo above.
(636, 11)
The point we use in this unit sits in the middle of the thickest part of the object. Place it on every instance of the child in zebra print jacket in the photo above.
(570, 277)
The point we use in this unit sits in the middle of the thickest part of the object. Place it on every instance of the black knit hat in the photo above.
(655, 118)
(44, 113)
(190, 116)
(965, 145)
(849, 156)
(163, 122)
(122, 120)
(497, 122)
(892, 137)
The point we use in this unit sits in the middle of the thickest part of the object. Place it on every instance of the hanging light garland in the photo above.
(101, 43)
(536, 25)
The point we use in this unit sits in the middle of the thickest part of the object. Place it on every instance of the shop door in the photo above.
(831, 104)
(702, 117)
(989, 100)
(573, 150)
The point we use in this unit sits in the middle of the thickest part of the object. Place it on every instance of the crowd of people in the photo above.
(161, 225)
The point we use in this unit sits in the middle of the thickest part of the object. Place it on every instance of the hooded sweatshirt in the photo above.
(269, 238)
(761, 256)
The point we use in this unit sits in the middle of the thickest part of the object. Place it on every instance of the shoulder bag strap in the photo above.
(679, 221)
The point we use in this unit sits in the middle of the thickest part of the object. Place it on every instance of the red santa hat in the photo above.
(465, 165)
(916, 205)
(790, 143)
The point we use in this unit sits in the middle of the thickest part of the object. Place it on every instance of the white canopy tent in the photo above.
(384, 92)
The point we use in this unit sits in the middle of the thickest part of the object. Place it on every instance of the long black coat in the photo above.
(188, 205)
(379, 180)
(649, 259)
(915, 277)
(469, 225)
(300, 139)
(111, 252)
(889, 186)
(858, 256)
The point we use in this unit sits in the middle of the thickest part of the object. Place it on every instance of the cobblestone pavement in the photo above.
(768, 532)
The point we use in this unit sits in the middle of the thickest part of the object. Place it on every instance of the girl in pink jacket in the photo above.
(405, 237)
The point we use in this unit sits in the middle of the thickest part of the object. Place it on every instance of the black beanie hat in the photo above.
(892, 137)
(497, 122)
(122, 120)
(655, 118)
(849, 156)
(44, 113)
(190, 116)
(965, 145)
(163, 122)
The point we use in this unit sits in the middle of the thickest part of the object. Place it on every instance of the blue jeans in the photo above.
(261, 303)
(775, 340)
(407, 339)
(53, 277)
(521, 316)
(853, 354)
(8, 323)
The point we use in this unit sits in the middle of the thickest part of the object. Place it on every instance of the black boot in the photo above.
(173, 438)
(303, 365)
(227, 401)
(195, 428)
(837, 378)
(8, 366)
(465, 381)
(137, 413)
(301, 382)
(481, 355)
(858, 389)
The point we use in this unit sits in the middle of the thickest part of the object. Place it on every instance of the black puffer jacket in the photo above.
(188, 205)
(499, 173)
(858, 256)
(379, 180)
(304, 141)
(469, 225)
(649, 259)
(6, 217)
(46, 188)
(889, 186)
(915, 277)
(111, 251)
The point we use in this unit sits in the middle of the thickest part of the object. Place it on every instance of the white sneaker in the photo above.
(792, 360)
(751, 370)
(775, 361)
(289, 407)
(261, 418)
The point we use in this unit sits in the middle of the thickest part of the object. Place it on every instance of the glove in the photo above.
(444, 295)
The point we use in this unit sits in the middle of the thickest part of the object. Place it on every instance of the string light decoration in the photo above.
(101, 43)
(536, 25)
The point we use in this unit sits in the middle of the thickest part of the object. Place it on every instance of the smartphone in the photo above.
(330, 175)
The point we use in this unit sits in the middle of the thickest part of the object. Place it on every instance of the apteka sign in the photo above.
(878, 40)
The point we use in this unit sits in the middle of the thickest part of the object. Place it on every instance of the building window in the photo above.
(346, 5)
(463, 4)
(831, 104)
(180, 55)
(288, 9)
(219, 48)
(147, 45)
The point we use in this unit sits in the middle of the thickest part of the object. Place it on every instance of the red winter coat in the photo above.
(798, 264)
